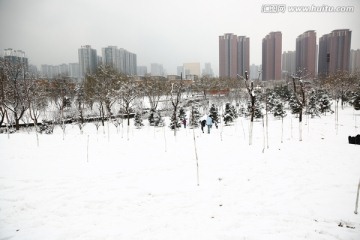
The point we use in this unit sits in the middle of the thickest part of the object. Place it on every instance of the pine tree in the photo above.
(138, 120)
(229, 114)
(312, 106)
(158, 120)
(174, 121)
(324, 103)
(356, 102)
(272, 100)
(257, 111)
(278, 109)
(182, 114)
(194, 117)
(155, 118)
(234, 112)
(151, 117)
(214, 114)
(294, 106)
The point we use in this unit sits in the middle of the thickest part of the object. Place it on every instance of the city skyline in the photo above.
(50, 32)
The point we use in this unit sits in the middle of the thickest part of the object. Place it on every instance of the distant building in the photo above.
(88, 60)
(142, 71)
(110, 57)
(16, 57)
(355, 61)
(180, 70)
(121, 60)
(234, 55)
(288, 64)
(157, 69)
(254, 71)
(191, 69)
(207, 71)
(74, 70)
(306, 52)
(49, 71)
(334, 52)
(64, 69)
(271, 56)
(128, 62)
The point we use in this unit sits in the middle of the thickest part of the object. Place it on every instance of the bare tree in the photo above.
(37, 100)
(128, 92)
(153, 89)
(252, 95)
(175, 91)
(300, 98)
(15, 85)
(102, 88)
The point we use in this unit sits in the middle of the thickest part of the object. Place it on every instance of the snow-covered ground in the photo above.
(142, 183)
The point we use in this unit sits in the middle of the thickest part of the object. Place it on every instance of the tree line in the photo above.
(108, 95)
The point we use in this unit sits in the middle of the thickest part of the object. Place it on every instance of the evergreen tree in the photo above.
(182, 114)
(294, 106)
(158, 120)
(151, 117)
(229, 114)
(242, 111)
(283, 92)
(278, 109)
(312, 106)
(234, 112)
(356, 102)
(214, 113)
(155, 118)
(324, 103)
(194, 117)
(174, 121)
(258, 109)
(272, 100)
(138, 120)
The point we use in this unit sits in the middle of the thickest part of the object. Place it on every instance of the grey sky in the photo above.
(158, 31)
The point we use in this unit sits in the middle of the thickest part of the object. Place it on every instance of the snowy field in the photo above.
(142, 183)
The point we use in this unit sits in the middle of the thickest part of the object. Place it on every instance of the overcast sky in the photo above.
(170, 32)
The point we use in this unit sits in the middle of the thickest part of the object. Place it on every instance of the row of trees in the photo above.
(107, 93)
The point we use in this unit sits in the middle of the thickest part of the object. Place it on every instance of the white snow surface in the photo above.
(142, 183)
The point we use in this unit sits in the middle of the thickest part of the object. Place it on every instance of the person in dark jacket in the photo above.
(203, 123)
(184, 122)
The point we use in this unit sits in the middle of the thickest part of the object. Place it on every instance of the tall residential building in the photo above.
(64, 69)
(306, 53)
(192, 69)
(207, 71)
(16, 57)
(355, 60)
(120, 59)
(87, 60)
(157, 69)
(74, 70)
(110, 57)
(288, 63)
(128, 62)
(271, 56)
(234, 55)
(334, 52)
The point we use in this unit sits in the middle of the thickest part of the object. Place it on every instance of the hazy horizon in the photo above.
(159, 31)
